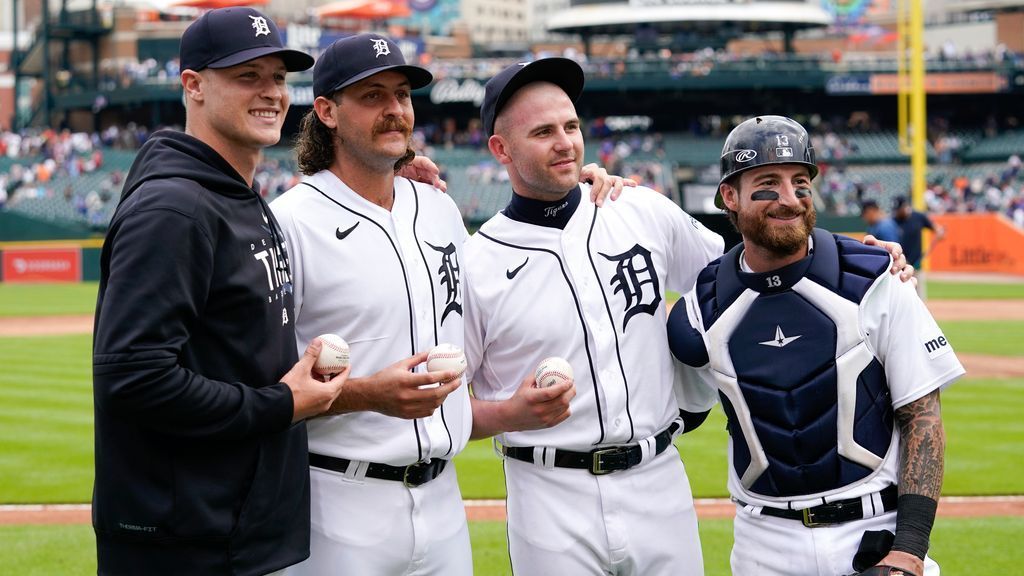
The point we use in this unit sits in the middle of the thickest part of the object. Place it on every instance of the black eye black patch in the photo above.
(772, 195)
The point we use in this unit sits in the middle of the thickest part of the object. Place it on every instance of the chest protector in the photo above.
(808, 405)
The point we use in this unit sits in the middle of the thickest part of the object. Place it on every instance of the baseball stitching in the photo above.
(336, 348)
(554, 373)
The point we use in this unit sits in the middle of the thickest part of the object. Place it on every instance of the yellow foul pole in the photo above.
(910, 105)
(918, 156)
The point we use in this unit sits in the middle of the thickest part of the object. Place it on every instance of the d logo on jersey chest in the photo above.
(449, 273)
(637, 280)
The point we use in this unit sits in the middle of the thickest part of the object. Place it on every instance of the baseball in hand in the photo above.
(446, 357)
(553, 371)
(333, 356)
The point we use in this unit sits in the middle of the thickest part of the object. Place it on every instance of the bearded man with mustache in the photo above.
(375, 259)
(829, 370)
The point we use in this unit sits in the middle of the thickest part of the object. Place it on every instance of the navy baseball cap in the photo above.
(563, 72)
(229, 36)
(354, 58)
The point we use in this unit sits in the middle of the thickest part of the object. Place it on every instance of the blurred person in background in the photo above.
(880, 225)
(912, 223)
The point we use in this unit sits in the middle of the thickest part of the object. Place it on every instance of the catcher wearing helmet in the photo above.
(828, 369)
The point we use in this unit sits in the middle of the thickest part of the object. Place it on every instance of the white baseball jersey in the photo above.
(389, 283)
(594, 294)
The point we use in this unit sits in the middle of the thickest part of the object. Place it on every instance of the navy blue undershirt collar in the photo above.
(543, 213)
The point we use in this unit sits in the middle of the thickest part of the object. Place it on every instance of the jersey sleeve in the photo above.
(692, 247)
(904, 336)
(690, 357)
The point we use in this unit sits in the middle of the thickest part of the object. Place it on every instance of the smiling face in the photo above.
(773, 206)
(537, 137)
(245, 105)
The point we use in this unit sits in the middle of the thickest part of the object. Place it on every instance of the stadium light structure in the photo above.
(708, 17)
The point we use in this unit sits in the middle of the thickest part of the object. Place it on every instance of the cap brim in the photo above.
(562, 72)
(418, 77)
(294, 61)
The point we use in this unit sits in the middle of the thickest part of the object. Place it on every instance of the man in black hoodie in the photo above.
(200, 397)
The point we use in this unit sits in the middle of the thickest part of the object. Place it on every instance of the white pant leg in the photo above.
(768, 546)
(638, 522)
(383, 528)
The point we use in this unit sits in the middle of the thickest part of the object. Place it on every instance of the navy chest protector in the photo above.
(808, 405)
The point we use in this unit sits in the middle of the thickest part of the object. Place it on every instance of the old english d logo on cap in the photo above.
(260, 24)
(380, 46)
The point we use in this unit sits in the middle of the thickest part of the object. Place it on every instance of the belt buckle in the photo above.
(807, 517)
(405, 475)
(595, 464)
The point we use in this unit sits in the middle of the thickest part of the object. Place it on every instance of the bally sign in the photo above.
(451, 90)
(42, 265)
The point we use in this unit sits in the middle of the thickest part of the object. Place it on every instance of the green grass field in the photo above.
(962, 546)
(998, 338)
(46, 448)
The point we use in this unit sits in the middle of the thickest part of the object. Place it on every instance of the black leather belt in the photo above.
(834, 512)
(412, 475)
(601, 460)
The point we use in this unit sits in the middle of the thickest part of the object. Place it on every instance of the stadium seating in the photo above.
(869, 161)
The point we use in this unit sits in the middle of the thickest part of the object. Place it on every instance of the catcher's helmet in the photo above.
(765, 140)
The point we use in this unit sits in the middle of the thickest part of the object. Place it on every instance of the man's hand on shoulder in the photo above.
(899, 261)
(603, 184)
(423, 169)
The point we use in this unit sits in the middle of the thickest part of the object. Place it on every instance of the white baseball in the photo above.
(553, 371)
(446, 357)
(333, 356)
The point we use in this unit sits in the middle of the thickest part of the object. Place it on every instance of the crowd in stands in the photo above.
(52, 164)
(999, 190)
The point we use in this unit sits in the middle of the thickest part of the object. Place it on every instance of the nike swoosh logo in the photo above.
(341, 235)
(510, 274)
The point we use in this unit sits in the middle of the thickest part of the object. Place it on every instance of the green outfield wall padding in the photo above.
(16, 227)
(91, 264)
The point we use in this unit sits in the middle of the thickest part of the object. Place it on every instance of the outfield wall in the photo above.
(974, 243)
(986, 243)
(50, 261)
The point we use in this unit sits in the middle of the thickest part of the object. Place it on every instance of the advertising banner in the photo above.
(42, 264)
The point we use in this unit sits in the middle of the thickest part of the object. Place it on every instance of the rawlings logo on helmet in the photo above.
(745, 155)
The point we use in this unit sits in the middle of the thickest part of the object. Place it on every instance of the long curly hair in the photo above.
(314, 146)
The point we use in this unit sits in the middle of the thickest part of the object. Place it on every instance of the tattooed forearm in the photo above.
(922, 446)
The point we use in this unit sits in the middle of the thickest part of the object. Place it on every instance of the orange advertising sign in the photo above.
(945, 83)
(42, 265)
(978, 243)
